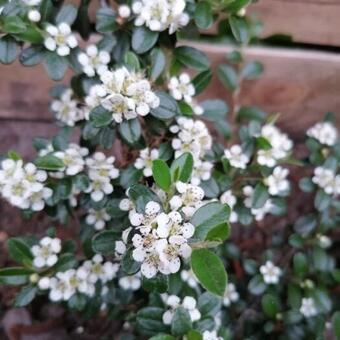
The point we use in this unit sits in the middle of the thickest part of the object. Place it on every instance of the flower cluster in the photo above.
(161, 241)
(64, 285)
(97, 218)
(230, 199)
(277, 182)
(236, 157)
(126, 94)
(308, 308)
(230, 295)
(327, 180)
(324, 132)
(193, 136)
(94, 61)
(181, 88)
(60, 39)
(24, 186)
(159, 15)
(132, 282)
(67, 109)
(280, 146)
(174, 302)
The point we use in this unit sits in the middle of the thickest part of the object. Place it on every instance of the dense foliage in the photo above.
(152, 251)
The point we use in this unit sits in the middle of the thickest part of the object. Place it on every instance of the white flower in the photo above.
(45, 253)
(126, 204)
(144, 161)
(228, 198)
(132, 282)
(277, 182)
(99, 187)
(270, 273)
(188, 199)
(101, 167)
(236, 157)
(192, 136)
(159, 15)
(181, 88)
(281, 146)
(97, 218)
(73, 159)
(66, 108)
(201, 171)
(189, 277)
(308, 308)
(324, 241)
(32, 2)
(324, 132)
(174, 302)
(327, 180)
(94, 61)
(230, 295)
(124, 11)
(34, 15)
(211, 335)
(60, 39)
(258, 213)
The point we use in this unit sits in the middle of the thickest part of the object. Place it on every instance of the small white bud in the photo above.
(124, 11)
(34, 15)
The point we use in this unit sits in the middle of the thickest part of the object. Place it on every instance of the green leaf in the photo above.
(320, 259)
(129, 265)
(306, 184)
(300, 264)
(107, 136)
(201, 81)
(215, 110)
(219, 233)
(55, 65)
(336, 324)
(322, 200)
(149, 320)
(158, 284)
(106, 20)
(208, 217)
(130, 131)
(252, 70)
(104, 242)
(15, 276)
(194, 335)
(141, 195)
(19, 251)
(8, 49)
(67, 14)
(49, 162)
(25, 296)
(208, 304)
(112, 208)
(239, 28)
(250, 113)
(209, 270)
(77, 302)
(181, 322)
(130, 176)
(260, 196)
(270, 305)
(192, 57)
(181, 168)
(161, 174)
(256, 285)
(13, 24)
(66, 261)
(31, 56)
(263, 143)
(305, 225)
(131, 61)
(162, 337)
(203, 15)
(100, 117)
(167, 108)
(228, 77)
(157, 64)
(143, 39)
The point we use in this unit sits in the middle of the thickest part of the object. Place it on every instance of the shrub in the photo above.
(152, 248)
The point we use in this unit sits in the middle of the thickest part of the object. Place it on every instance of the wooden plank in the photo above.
(300, 85)
(307, 21)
